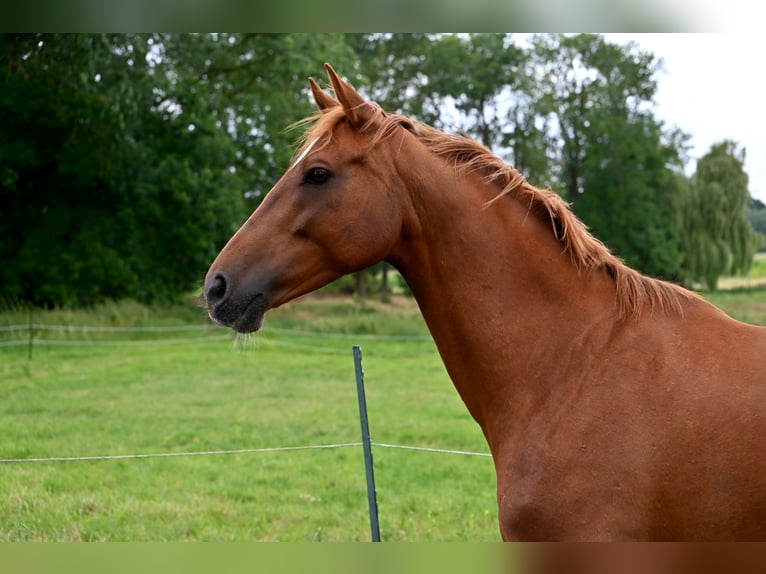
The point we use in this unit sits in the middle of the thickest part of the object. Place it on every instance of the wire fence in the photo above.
(204, 327)
(31, 335)
(31, 330)
(224, 337)
(28, 331)
(39, 334)
(106, 329)
(240, 451)
(176, 454)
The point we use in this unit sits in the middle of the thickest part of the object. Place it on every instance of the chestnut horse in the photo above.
(616, 406)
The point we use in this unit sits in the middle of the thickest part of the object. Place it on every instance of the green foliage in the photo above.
(613, 163)
(251, 87)
(474, 71)
(756, 215)
(393, 70)
(108, 185)
(127, 160)
(719, 239)
(458, 82)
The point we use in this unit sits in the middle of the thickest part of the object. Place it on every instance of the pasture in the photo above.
(115, 393)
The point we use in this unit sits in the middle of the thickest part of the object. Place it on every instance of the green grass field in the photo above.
(103, 393)
(118, 393)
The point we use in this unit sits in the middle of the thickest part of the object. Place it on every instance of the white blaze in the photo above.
(303, 155)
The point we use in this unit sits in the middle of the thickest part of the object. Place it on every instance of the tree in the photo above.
(476, 73)
(392, 69)
(756, 215)
(455, 81)
(614, 162)
(125, 160)
(718, 238)
(252, 87)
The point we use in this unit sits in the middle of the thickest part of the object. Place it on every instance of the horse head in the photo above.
(333, 212)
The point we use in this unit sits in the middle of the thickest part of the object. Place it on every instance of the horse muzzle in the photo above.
(240, 310)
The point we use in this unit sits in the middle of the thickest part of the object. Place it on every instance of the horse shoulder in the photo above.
(666, 419)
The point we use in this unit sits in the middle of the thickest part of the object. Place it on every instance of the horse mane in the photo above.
(633, 289)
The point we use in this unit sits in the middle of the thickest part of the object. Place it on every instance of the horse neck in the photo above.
(501, 298)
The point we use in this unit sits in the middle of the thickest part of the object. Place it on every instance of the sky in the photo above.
(711, 88)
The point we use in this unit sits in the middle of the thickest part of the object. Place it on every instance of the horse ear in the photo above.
(358, 110)
(322, 99)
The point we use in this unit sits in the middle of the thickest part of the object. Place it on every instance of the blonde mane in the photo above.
(633, 290)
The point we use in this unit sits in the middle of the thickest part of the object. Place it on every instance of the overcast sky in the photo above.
(712, 89)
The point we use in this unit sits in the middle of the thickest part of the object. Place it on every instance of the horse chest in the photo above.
(580, 496)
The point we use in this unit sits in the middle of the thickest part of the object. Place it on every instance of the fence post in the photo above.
(367, 446)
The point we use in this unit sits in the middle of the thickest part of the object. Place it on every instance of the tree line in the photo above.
(127, 160)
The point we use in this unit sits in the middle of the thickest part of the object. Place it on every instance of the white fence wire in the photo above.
(170, 328)
(234, 451)
(83, 329)
(32, 330)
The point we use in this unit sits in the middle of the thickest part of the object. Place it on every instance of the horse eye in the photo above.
(317, 176)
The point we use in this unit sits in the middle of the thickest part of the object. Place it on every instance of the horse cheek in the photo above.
(369, 236)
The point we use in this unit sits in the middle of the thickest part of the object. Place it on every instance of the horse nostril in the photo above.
(215, 291)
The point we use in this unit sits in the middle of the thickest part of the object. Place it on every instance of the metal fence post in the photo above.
(367, 446)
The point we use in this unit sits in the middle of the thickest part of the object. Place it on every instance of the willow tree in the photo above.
(717, 237)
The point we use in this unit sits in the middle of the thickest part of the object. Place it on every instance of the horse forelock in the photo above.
(633, 289)
(319, 125)
(322, 125)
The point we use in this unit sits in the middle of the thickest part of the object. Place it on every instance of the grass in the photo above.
(745, 304)
(755, 277)
(273, 390)
(116, 393)
(744, 297)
